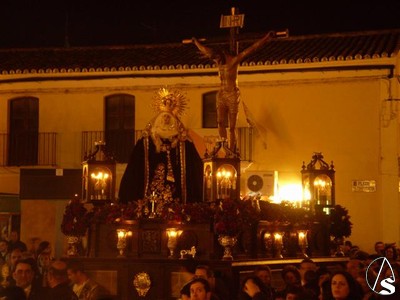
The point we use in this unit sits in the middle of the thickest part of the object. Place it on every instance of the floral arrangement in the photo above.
(175, 212)
(340, 225)
(188, 213)
(229, 217)
(285, 212)
(233, 216)
(76, 219)
(111, 213)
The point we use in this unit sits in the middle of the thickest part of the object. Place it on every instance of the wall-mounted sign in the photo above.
(366, 186)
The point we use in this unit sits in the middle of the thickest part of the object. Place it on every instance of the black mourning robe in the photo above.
(142, 163)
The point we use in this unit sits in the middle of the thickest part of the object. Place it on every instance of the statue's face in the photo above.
(165, 125)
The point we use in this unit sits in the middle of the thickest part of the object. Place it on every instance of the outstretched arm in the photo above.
(203, 49)
(270, 35)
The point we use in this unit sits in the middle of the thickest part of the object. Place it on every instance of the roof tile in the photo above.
(292, 50)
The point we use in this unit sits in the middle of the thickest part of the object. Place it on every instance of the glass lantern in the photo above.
(98, 176)
(221, 174)
(318, 181)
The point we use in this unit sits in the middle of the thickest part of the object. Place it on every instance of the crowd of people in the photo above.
(35, 274)
(358, 279)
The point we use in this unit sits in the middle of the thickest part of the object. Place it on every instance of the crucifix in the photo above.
(228, 97)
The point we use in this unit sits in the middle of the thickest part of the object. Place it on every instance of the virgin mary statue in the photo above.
(164, 163)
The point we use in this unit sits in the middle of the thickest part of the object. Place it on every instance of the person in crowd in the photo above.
(306, 264)
(355, 267)
(264, 273)
(24, 276)
(291, 277)
(185, 291)
(344, 287)
(4, 252)
(218, 287)
(299, 293)
(15, 242)
(33, 245)
(199, 289)
(43, 247)
(311, 283)
(12, 292)
(379, 248)
(361, 255)
(368, 294)
(390, 252)
(57, 277)
(335, 250)
(325, 291)
(83, 286)
(43, 259)
(252, 288)
(323, 275)
(43, 263)
(348, 245)
(15, 255)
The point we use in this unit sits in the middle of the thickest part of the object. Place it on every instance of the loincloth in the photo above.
(229, 100)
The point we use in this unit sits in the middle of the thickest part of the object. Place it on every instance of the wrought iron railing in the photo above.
(121, 143)
(45, 145)
(28, 149)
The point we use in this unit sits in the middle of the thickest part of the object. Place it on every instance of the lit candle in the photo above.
(121, 244)
(278, 238)
(219, 188)
(302, 238)
(121, 234)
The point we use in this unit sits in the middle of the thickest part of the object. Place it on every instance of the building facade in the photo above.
(337, 94)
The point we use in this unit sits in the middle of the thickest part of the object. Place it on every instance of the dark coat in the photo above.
(61, 291)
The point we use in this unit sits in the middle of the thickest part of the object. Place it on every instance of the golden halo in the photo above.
(172, 101)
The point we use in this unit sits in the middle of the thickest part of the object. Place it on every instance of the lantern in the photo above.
(221, 174)
(98, 176)
(318, 181)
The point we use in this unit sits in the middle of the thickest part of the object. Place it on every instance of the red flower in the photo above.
(233, 216)
(340, 222)
(76, 219)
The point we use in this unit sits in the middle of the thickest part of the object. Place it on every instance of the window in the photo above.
(120, 125)
(210, 110)
(24, 126)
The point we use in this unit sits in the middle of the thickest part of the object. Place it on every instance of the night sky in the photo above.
(44, 23)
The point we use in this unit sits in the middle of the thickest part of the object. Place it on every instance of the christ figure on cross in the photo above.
(228, 97)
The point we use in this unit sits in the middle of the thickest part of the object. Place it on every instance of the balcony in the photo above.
(40, 149)
(121, 143)
(28, 149)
